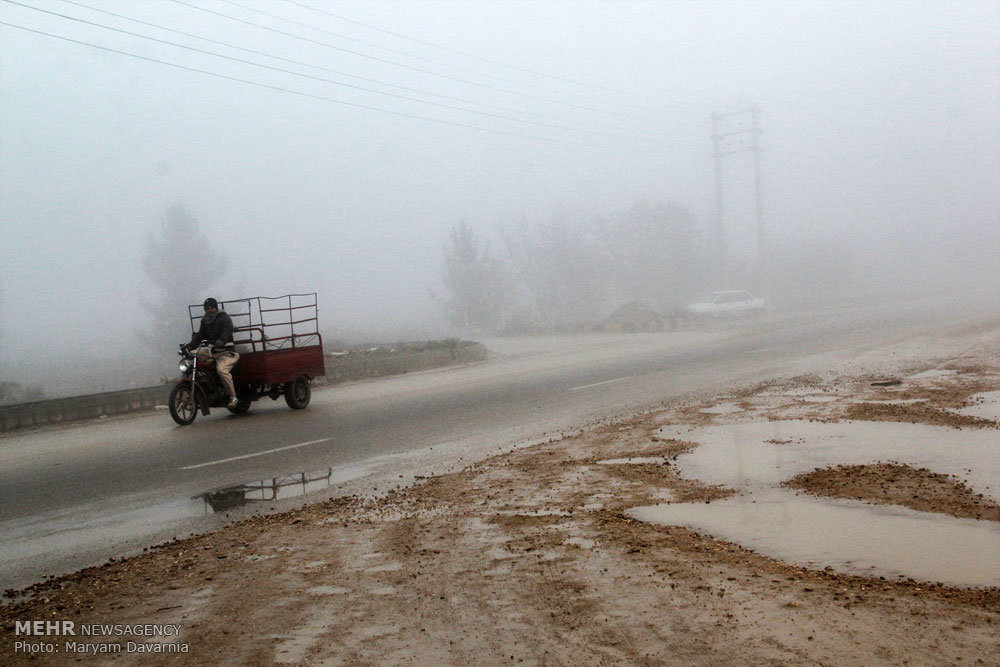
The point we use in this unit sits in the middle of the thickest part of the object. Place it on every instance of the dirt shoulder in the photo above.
(529, 556)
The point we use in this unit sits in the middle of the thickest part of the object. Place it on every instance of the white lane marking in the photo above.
(249, 456)
(585, 386)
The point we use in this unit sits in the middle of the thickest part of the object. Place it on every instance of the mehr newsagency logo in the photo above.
(129, 637)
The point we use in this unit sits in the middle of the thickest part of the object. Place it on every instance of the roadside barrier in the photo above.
(352, 367)
(89, 406)
(55, 410)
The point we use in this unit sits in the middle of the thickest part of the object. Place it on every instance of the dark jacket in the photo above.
(216, 329)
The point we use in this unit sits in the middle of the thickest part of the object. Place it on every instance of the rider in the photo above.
(217, 329)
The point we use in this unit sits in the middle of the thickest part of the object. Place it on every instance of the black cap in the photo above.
(211, 303)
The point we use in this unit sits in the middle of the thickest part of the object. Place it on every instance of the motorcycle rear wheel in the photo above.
(298, 393)
(182, 404)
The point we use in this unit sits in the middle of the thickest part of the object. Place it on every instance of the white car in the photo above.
(728, 303)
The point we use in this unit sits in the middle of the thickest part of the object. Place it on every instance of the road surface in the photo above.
(75, 495)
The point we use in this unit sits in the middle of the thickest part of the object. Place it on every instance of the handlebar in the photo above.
(183, 350)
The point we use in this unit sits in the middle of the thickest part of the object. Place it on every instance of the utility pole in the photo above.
(721, 149)
(762, 256)
(720, 220)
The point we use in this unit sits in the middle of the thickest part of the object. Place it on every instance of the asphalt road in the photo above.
(75, 495)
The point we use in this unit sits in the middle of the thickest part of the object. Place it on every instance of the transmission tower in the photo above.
(727, 141)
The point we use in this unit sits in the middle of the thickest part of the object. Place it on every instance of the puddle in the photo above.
(581, 542)
(850, 536)
(820, 399)
(722, 409)
(892, 401)
(74, 537)
(636, 460)
(389, 567)
(80, 530)
(745, 454)
(313, 564)
(985, 405)
(327, 590)
(933, 373)
(499, 553)
(228, 498)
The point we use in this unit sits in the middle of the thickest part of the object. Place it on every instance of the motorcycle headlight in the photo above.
(183, 366)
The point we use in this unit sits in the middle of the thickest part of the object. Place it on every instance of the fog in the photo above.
(880, 168)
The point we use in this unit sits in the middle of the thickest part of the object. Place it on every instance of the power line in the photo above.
(300, 63)
(477, 57)
(315, 78)
(332, 100)
(415, 57)
(403, 65)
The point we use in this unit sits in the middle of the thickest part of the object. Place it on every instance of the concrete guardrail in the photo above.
(89, 406)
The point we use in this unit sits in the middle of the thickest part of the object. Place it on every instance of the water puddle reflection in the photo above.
(227, 498)
(852, 537)
(765, 453)
(88, 534)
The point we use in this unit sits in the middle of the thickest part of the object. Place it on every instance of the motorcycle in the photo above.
(200, 388)
(278, 358)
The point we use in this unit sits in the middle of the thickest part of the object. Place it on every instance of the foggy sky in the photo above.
(882, 130)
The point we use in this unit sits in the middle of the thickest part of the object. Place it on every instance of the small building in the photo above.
(630, 318)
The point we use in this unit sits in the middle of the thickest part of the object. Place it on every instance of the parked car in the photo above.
(728, 303)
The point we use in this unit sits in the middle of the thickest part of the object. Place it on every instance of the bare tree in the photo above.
(655, 251)
(182, 267)
(479, 284)
(561, 267)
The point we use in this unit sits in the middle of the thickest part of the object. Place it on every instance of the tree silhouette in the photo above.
(655, 250)
(182, 267)
(564, 271)
(479, 283)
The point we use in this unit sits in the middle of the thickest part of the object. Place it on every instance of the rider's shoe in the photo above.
(232, 402)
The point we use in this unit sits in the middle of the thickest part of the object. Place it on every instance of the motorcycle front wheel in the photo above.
(182, 403)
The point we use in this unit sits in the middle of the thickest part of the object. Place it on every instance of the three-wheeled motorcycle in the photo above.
(280, 348)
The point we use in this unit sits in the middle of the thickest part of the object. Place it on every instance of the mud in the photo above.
(897, 484)
(915, 413)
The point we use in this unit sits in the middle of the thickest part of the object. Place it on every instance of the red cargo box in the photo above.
(277, 337)
(280, 365)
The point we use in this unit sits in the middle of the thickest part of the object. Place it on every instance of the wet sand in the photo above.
(898, 484)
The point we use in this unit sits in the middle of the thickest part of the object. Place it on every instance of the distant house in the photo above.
(632, 317)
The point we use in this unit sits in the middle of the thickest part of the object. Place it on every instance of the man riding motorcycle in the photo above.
(217, 331)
